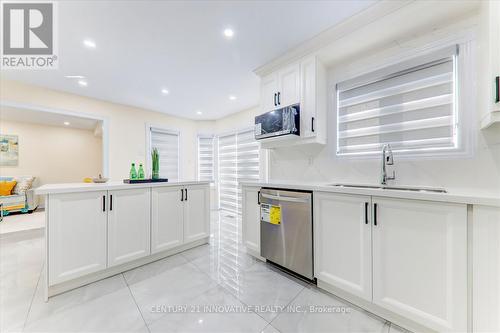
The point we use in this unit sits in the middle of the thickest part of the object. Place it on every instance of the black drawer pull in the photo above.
(103, 203)
(366, 212)
(375, 214)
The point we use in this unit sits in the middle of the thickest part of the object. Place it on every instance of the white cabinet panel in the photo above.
(251, 219)
(196, 213)
(342, 238)
(420, 261)
(167, 211)
(128, 225)
(76, 235)
(268, 92)
(289, 86)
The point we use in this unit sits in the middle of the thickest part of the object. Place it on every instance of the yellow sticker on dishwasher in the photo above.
(275, 215)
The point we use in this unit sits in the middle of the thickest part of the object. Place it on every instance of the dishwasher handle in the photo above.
(284, 198)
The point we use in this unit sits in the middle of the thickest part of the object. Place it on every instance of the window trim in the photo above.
(464, 104)
(160, 128)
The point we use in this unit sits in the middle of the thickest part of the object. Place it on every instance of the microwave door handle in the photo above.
(283, 198)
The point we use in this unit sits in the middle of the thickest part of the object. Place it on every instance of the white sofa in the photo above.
(25, 202)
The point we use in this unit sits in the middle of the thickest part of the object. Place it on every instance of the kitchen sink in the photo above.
(397, 188)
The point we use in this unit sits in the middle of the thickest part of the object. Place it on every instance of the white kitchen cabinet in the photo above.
(128, 225)
(76, 234)
(167, 214)
(342, 242)
(196, 213)
(251, 219)
(313, 99)
(269, 92)
(420, 261)
(289, 85)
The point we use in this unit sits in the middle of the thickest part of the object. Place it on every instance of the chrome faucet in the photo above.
(387, 159)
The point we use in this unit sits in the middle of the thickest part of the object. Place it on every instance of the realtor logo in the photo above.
(28, 35)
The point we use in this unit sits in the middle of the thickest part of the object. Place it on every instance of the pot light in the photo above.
(83, 83)
(74, 76)
(165, 91)
(66, 123)
(89, 43)
(228, 33)
(232, 97)
(199, 112)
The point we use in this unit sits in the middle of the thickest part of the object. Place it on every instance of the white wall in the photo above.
(54, 154)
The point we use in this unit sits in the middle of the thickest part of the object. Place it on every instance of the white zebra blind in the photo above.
(238, 157)
(411, 106)
(206, 158)
(167, 144)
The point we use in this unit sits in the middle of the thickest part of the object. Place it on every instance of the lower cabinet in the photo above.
(251, 219)
(128, 225)
(167, 211)
(342, 233)
(76, 235)
(196, 213)
(406, 256)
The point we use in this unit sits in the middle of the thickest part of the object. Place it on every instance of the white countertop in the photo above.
(110, 185)
(451, 196)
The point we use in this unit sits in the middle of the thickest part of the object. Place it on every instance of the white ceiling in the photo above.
(46, 118)
(145, 46)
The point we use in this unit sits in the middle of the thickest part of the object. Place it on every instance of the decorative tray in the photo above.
(139, 181)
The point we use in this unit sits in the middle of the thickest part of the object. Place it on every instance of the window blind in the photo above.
(238, 157)
(410, 106)
(206, 158)
(167, 144)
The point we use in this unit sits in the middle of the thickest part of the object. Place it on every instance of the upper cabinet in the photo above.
(304, 83)
(491, 10)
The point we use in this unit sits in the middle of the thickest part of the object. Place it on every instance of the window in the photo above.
(205, 157)
(238, 157)
(413, 106)
(167, 143)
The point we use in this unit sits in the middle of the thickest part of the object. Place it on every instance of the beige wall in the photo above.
(54, 154)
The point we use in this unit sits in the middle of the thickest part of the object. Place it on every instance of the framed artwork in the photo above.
(9, 150)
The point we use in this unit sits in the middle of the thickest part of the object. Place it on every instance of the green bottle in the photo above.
(140, 172)
(133, 172)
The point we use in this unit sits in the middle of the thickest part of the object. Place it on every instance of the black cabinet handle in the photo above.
(279, 102)
(497, 90)
(375, 214)
(275, 100)
(111, 202)
(103, 203)
(258, 198)
(366, 212)
(312, 124)
(182, 194)
(186, 199)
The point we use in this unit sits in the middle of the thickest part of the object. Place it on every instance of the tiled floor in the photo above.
(212, 288)
(22, 221)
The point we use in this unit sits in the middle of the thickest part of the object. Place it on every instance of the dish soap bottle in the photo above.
(133, 172)
(140, 173)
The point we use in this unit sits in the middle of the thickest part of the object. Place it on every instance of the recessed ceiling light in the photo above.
(66, 123)
(74, 76)
(199, 112)
(89, 43)
(83, 83)
(229, 33)
(232, 97)
(165, 91)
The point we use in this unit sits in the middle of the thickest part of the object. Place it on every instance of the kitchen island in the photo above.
(94, 231)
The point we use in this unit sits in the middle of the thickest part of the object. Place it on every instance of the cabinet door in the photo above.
(76, 235)
(420, 261)
(289, 85)
(342, 238)
(308, 98)
(196, 213)
(128, 225)
(268, 90)
(167, 210)
(251, 219)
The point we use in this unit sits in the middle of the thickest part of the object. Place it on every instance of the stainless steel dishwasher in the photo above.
(286, 229)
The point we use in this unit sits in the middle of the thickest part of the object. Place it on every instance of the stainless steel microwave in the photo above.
(284, 121)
